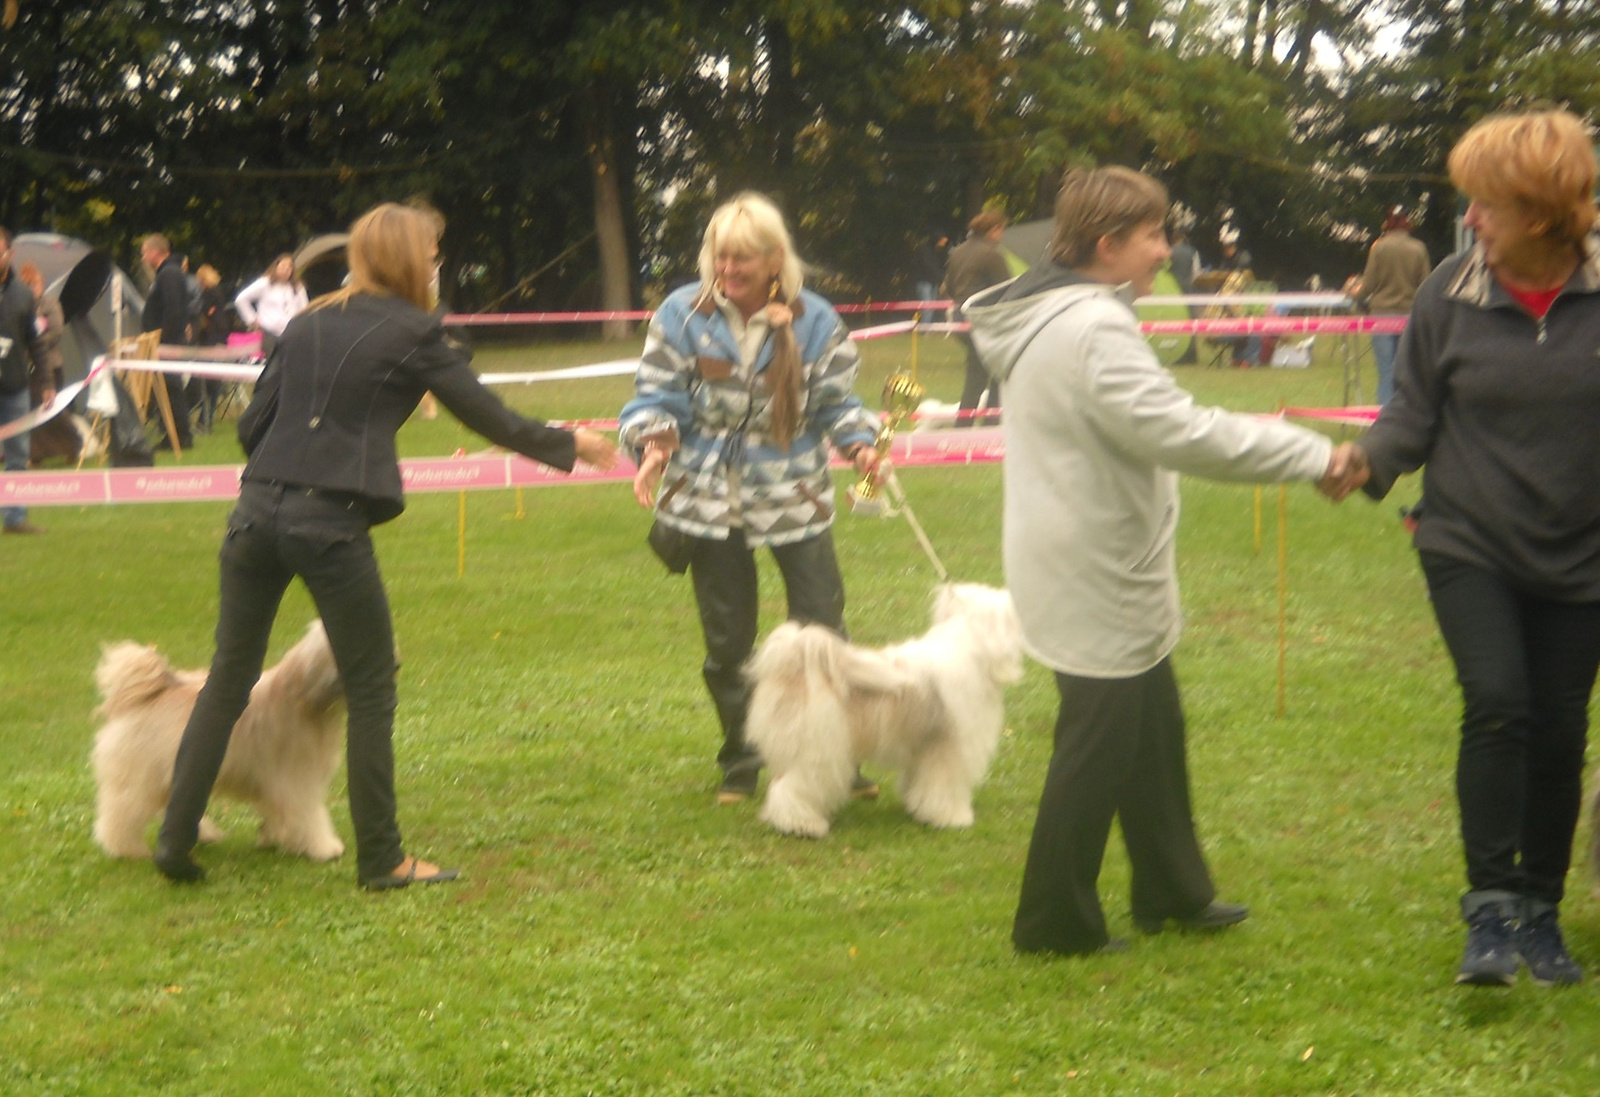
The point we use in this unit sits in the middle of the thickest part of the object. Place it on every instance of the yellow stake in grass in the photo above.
(1283, 596)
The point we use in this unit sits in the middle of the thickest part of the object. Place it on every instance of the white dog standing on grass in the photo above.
(931, 708)
(281, 758)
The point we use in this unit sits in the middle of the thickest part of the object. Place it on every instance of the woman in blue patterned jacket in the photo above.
(745, 380)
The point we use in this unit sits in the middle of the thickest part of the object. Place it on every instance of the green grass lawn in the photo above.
(617, 933)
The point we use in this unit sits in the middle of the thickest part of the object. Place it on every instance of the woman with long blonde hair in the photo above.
(745, 381)
(322, 470)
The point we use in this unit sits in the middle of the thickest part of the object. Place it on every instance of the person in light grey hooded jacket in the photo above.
(1096, 432)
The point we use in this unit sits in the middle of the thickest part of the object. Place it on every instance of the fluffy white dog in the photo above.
(931, 708)
(281, 758)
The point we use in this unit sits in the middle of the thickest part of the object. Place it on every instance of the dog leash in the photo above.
(900, 505)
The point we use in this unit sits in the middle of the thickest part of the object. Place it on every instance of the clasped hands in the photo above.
(1348, 469)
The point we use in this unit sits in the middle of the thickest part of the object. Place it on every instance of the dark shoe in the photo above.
(1540, 945)
(178, 866)
(1214, 915)
(738, 785)
(24, 527)
(863, 787)
(1491, 956)
(396, 880)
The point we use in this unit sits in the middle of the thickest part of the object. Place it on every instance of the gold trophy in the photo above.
(901, 395)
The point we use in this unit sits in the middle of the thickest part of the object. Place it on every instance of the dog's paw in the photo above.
(210, 832)
(800, 824)
(124, 848)
(326, 851)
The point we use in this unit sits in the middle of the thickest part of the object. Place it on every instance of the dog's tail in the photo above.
(819, 658)
(129, 677)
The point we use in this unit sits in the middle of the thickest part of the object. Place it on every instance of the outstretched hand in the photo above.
(595, 448)
(651, 465)
(1348, 469)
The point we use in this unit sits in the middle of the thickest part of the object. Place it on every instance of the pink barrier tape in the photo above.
(894, 306)
(1279, 325)
(479, 319)
(423, 475)
(1253, 325)
(882, 330)
(240, 352)
(1354, 416)
(1326, 300)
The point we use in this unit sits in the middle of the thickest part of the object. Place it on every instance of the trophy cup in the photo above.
(901, 395)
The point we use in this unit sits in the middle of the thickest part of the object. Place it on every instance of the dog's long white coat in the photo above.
(931, 708)
(281, 758)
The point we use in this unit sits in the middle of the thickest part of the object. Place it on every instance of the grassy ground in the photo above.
(616, 933)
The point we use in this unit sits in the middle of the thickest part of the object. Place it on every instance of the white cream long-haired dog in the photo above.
(281, 758)
(931, 708)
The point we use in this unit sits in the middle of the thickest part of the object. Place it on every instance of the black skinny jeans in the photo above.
(1526, 666)
(726, 593)
(275, 534)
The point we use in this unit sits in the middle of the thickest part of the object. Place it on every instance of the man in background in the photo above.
(21, 354)
(976, 264)
(167, 310)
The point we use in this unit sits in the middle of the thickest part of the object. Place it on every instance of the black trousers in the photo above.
(1526, 666)
(977, 381)
(275, 534)
(1119, 751)
(725, 592)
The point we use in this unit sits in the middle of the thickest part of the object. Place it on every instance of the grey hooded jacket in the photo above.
(1096, 431)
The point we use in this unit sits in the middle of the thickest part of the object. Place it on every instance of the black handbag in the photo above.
(672, 547)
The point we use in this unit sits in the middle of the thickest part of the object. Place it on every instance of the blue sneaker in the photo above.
(1542, 949)
(1491, 956)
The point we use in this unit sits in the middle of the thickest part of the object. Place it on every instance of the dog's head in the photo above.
(991, 621)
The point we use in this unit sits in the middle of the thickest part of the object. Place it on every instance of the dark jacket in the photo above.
(1504, 411)
(975, 264)
(19, 336)
(342, 381)
(167, 308)
(1396, 266)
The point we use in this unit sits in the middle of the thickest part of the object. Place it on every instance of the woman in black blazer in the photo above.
(322, 470)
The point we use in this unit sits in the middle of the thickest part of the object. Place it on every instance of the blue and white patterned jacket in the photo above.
(691, 380)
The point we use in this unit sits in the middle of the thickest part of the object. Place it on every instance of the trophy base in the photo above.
(868, 506)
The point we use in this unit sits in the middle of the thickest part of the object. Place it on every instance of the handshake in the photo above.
(1348, 469)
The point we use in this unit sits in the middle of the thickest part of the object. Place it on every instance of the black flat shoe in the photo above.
(397, 880)
(1214, 915)
(178, 867)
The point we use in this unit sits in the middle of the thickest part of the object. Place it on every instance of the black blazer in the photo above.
(341, 382)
